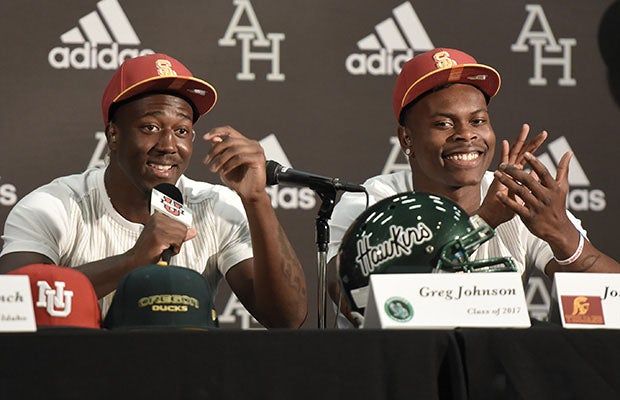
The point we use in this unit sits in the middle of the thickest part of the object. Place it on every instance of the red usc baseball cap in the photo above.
(153, 73)
(62, 297)
(438, 67)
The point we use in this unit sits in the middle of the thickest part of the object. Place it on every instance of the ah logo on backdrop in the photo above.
(235, 313)
(395, 41)
(103, 39)
(255, 45)
(547, 50)
(538, 298)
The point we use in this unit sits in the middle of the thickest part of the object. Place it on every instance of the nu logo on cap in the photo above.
(56, 302)
(164, 68)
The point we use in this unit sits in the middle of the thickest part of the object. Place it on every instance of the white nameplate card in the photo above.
(588, 300)
(16, 309)
(445, 301)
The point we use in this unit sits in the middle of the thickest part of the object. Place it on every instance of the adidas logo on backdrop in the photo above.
(285, 197)
(395, 42)
(95, 42)
(580, 197)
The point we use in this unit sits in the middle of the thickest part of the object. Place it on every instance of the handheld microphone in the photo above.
(277, 173)
(168, 200)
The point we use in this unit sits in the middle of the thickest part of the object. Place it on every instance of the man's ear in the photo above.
(110, 134)
(406, 142)
(404, 137)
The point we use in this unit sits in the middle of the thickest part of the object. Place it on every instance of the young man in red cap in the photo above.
(100, 223)
(444, 128)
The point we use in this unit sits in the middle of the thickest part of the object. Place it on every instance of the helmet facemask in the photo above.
(455, 255)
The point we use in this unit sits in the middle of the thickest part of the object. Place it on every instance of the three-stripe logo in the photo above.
(580, 197)
(95, 31)
(99, 33)
(394, 41)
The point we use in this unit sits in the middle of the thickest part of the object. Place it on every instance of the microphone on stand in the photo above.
(168, 200)
(277, 173)
(326, 189)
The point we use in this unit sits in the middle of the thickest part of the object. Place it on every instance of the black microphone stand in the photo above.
(328, 196)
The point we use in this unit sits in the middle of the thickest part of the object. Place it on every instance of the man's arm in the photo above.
(540, 201)
(104, 274)
(272, 285)
(11, 261)
(589, 260)
(159, 234)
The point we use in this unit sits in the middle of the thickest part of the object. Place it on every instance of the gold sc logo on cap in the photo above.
(164, 68)
(443, 60)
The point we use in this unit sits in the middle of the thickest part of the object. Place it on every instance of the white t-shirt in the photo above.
(72, 221)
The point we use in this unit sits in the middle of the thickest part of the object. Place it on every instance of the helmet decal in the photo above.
(402, 241)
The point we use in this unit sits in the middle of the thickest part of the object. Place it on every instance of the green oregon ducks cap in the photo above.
(155, 296)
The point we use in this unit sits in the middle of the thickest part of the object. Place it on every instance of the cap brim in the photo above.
(482, 76)
(199, 92)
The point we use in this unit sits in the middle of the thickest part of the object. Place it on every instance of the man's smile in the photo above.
(470, 156)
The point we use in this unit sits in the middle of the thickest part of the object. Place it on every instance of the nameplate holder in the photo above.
(16, 308)
(446, 301)
(588, 300)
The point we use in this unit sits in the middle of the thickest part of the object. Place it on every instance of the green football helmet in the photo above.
(411, 233)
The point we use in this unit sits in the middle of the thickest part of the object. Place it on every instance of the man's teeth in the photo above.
(161, 167)
(463, 156)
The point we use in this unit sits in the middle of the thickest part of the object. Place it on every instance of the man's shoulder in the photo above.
(378, 187)
(58, 197)
(388, 184)
(75, 185)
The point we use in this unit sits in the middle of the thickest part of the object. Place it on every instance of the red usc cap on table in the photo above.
(157, 73)
(439, 67)
(62, 297)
